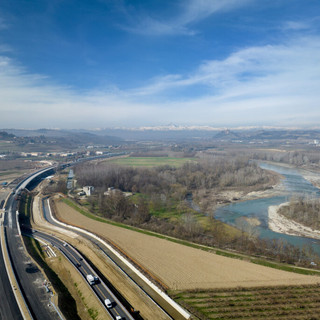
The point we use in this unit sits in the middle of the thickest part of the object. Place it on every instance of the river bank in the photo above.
(220, 198)
(279, 223)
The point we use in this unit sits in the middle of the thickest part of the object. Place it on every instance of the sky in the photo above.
(130, 63)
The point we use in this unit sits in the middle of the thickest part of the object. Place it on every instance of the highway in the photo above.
(28, 275)
(79, 262)
(8, 307)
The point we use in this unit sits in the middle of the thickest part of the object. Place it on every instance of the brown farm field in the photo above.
(180, 267)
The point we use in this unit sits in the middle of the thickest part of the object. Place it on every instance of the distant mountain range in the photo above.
(66, 136)
(166, 133)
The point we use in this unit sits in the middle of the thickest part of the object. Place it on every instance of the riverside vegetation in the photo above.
(304, 211)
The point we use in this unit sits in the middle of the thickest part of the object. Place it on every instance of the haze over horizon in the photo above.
(104, 63)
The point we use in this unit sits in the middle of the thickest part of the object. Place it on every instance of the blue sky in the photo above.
(104, 63)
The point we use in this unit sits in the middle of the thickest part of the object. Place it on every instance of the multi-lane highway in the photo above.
(8, 307)
(79, 262)
(28, 276)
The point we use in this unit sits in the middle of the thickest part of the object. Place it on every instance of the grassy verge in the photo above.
(285, 267)
(225, 253)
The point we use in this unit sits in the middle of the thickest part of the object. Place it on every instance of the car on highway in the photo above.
(119, 318)
(108, 303)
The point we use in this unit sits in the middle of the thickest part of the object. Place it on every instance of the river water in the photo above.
(293, 184)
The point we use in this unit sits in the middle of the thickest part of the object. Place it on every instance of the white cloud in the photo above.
(269, 69)
(191, 11)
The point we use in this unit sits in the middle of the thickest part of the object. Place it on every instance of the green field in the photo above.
(151, 161)
(286, 302)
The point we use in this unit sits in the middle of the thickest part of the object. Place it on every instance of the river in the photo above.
(293, 184)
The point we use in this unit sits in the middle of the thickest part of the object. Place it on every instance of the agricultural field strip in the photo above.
(178, 266)
(151, 161)
(256, 303)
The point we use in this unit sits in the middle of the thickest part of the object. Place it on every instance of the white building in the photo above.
(88, 190)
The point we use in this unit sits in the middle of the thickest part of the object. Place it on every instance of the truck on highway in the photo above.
(90, 279)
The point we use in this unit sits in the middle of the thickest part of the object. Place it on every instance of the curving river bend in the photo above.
(293, 183)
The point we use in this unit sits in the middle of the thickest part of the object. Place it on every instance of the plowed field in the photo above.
(181, 267)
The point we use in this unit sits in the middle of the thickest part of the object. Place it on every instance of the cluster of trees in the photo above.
(304, 211)
(297, 158)
(208, 174)
(163, 188)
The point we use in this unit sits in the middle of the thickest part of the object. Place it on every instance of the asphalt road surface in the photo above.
(100, 289)
(30, 278)
(8, 306)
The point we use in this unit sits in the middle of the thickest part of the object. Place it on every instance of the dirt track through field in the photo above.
(181, 267)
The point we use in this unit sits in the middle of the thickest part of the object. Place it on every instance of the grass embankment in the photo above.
(151, 161)
(283, 302)
(259, 261)
(66, 303)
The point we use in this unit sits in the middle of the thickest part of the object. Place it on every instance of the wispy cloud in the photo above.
(190, 12)
(293, 63)
(296, 25)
